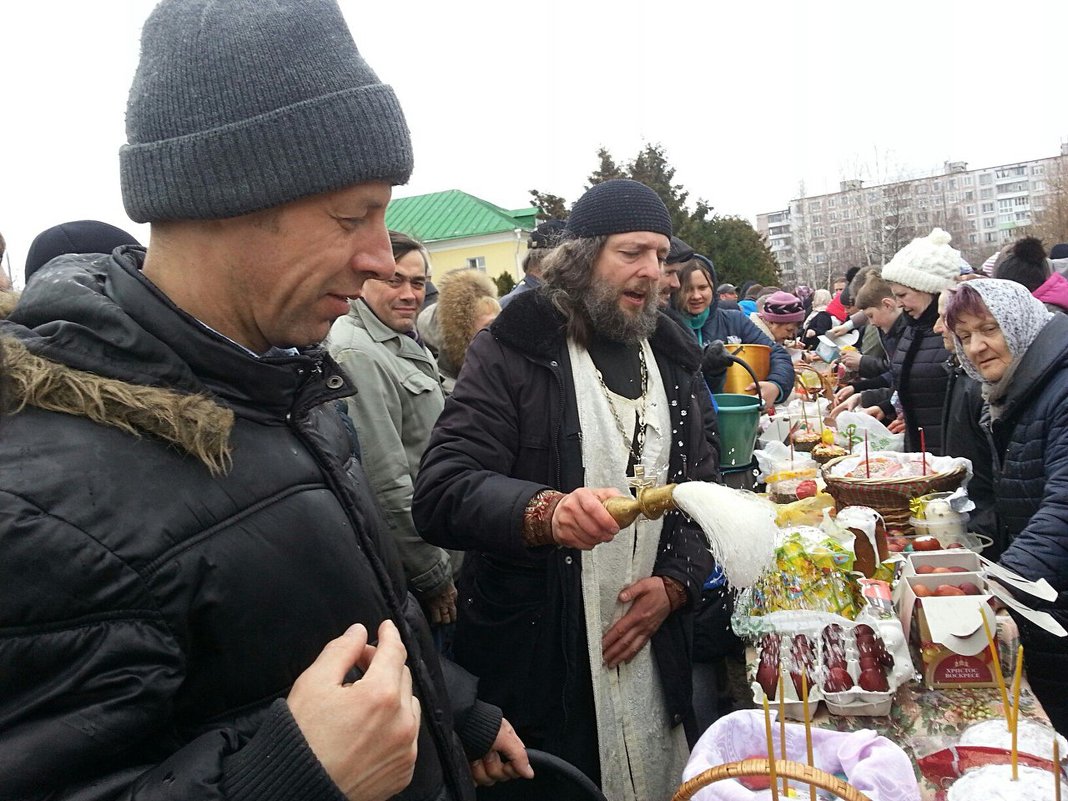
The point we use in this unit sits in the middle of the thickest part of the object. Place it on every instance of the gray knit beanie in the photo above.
(240, 105)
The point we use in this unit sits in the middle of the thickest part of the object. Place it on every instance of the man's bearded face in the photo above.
(623, 300)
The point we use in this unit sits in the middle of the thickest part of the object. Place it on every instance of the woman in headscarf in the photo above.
(1009, 342)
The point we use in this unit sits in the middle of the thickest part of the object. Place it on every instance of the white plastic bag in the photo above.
(853, 425)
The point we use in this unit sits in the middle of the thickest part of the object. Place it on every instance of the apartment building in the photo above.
(818, 237)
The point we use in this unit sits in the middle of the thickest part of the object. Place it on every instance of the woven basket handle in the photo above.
(759, 767)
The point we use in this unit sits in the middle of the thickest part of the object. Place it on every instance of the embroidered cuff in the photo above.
(538, 518)
(676, 593)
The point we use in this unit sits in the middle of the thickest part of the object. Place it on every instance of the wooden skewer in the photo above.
(771, 752)
(998, 675)
(1016, 709)
(782, 733)
(808, 729)
(1056, 769)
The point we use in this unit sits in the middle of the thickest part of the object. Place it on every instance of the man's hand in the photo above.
(845, 392)
(507, 759)
(441, 608)
(896, 426)
(364, 733)
(851, 359)
(581, 521)
(769, 392)
(630, 633)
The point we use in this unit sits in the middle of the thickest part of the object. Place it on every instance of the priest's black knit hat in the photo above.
(618, 207)
(241, 105)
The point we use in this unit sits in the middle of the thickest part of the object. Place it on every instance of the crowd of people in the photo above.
(283, 520)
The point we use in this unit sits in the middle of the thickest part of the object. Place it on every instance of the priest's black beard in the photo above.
(611, 322)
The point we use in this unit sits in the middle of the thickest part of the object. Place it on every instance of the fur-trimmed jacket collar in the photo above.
(92, 337)
(532, 325)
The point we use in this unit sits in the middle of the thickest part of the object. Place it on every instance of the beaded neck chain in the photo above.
(635, 445)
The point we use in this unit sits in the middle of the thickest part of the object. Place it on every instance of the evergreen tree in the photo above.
(606, 171)
(553, 207)
(505, 284)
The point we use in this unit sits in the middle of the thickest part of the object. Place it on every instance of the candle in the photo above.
(923, 451)
(771, 752)
(996, 667)
(808, 729)
(1056, 769)
(867, 461)
(1016, 707)
(782, 734)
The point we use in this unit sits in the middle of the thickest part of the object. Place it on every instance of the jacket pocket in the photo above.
(418, 382)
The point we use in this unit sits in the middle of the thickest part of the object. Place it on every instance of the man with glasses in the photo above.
(398, 399)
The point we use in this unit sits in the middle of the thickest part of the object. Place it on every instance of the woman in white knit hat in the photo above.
(917, 274)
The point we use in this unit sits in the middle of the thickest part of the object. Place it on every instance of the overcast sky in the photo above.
(748, 98)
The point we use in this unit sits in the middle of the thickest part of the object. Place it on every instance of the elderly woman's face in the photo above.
(781, 331)
(984, 344)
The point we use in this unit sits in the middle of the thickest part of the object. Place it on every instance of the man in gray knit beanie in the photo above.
(208, 602)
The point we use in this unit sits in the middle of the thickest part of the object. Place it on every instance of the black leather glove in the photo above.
(715, 359)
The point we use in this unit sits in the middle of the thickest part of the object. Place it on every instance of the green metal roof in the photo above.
(453, 215)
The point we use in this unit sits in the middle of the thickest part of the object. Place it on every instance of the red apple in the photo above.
(926, 544)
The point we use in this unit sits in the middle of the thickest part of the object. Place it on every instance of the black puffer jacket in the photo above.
(510, 430)
(1029, 438)
(1030, 442)
(153, 615)
(920, 380)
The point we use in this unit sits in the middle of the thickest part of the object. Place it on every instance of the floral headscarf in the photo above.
(1020, 316)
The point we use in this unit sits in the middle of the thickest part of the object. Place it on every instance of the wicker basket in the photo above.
(825, 388)
(888, 496)
(759, 767)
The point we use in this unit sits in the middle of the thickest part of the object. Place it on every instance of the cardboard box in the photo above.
(954, 557)
(947, 633)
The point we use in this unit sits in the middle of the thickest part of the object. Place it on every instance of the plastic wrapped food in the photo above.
(810, 572)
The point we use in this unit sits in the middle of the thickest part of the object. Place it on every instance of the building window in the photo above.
(1038, 169)
(973, 239)
(988, 208)
(969, 195)
(988, 222)
(969, 209)
(1020, 201)
(986, 178)
(477, 263)
(968, 180)
(990, 236)
(986, 194)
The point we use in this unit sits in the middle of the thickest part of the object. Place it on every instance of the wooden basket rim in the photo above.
(759, 767)
(881, 482)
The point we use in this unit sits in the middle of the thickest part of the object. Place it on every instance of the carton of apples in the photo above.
(941, 600)
(854, 667)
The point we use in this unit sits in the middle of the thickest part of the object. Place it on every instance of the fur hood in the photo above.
(194, 423)
(532, 325)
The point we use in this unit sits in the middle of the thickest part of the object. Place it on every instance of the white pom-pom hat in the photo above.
(927, 264)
